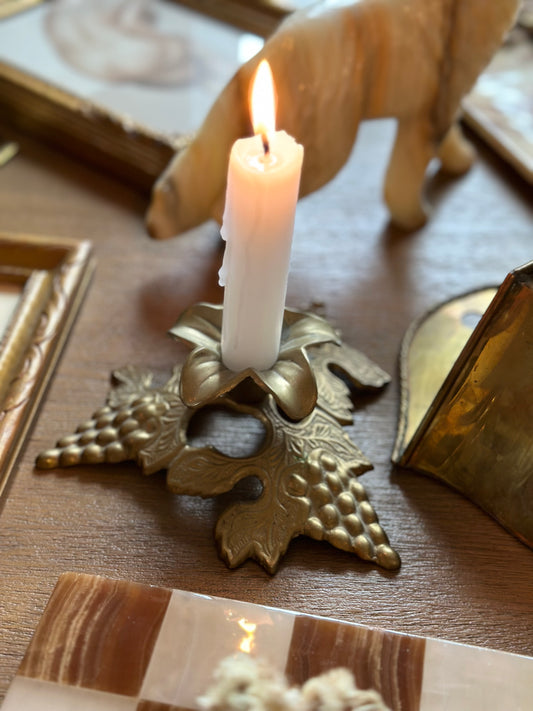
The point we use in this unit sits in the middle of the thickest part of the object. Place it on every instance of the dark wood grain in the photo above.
(463, 577)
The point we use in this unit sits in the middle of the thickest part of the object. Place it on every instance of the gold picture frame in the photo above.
(51, 275)
(111, 143)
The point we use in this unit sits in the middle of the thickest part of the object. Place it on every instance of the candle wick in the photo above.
(266, 146)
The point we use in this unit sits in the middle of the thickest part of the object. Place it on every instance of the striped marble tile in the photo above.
(105, 645)
(391, 663)
(97, 634)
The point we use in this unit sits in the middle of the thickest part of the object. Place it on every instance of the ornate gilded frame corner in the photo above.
(53, 274)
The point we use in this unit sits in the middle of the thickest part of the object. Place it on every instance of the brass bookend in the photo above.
(467, 399)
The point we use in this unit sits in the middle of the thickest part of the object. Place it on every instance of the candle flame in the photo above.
(247, 641)
(263, 103)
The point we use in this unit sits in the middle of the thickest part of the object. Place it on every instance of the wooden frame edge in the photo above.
(128, 151)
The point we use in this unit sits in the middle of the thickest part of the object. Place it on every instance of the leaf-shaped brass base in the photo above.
(308, 468)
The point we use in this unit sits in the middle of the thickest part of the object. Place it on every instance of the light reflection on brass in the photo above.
(470, 422)
(308, 467)
(425, 364)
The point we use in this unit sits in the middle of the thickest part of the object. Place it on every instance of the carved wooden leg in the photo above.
(456, 153)
(413, 149)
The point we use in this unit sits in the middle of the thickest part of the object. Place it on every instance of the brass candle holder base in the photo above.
(467, 399)
(307, 465)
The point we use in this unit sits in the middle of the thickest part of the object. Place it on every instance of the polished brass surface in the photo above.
(290, 380)
(308, 468)
(467, 400)
(430, 348)
(53, 273)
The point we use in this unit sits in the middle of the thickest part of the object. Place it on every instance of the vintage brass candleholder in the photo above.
(307, 465)
(467, 399)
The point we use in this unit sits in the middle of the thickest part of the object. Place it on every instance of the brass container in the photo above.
(467, 399)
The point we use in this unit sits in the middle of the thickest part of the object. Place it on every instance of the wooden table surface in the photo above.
(463, 578)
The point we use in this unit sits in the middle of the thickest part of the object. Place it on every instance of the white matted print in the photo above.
(153, 62)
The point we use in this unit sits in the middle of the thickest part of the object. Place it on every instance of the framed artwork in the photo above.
(120, 85)
(500, 107)
(42, 283)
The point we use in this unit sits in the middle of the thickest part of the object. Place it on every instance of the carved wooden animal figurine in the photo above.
(336, 64)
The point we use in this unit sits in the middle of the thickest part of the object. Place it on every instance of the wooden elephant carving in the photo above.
(335, 64)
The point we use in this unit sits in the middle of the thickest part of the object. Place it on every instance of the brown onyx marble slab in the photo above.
(389, 662)
(105, 645)
(86, 638)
